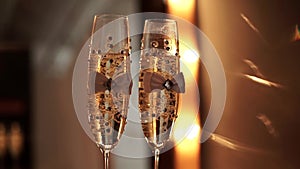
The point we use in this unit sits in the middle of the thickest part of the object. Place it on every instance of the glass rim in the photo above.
(160, 20)
(110, 16)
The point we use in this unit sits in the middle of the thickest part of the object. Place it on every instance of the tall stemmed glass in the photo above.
(160, 82)
(109, 81)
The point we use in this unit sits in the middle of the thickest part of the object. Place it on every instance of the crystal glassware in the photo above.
(109, 81)
(160, 82)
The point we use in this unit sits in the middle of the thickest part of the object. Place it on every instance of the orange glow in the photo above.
(187, 153)
(183, 128)
(182, 8)
(183, 125)
(188, 150)
(191, 141)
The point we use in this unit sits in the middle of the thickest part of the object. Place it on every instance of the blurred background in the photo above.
(258, 42)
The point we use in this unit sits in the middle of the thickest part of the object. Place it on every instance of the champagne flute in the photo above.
(109, 81)
(160, 82)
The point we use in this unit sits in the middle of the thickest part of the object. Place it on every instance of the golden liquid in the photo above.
(107, 109)
(158, 109)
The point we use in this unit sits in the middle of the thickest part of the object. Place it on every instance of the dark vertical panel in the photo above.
(15, 106)
(153, 6)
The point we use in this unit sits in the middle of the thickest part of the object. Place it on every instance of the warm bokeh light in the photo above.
(183, 128)
(190, 56)
(188, 150)
(194, 133)
(190, 59)
(263, 81)
(189, 147)
(182, 8)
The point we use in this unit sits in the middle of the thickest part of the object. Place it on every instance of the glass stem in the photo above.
(156, 158)
(106, 158)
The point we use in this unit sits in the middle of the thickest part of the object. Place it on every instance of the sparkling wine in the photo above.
(108, 109)
(158, 108)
